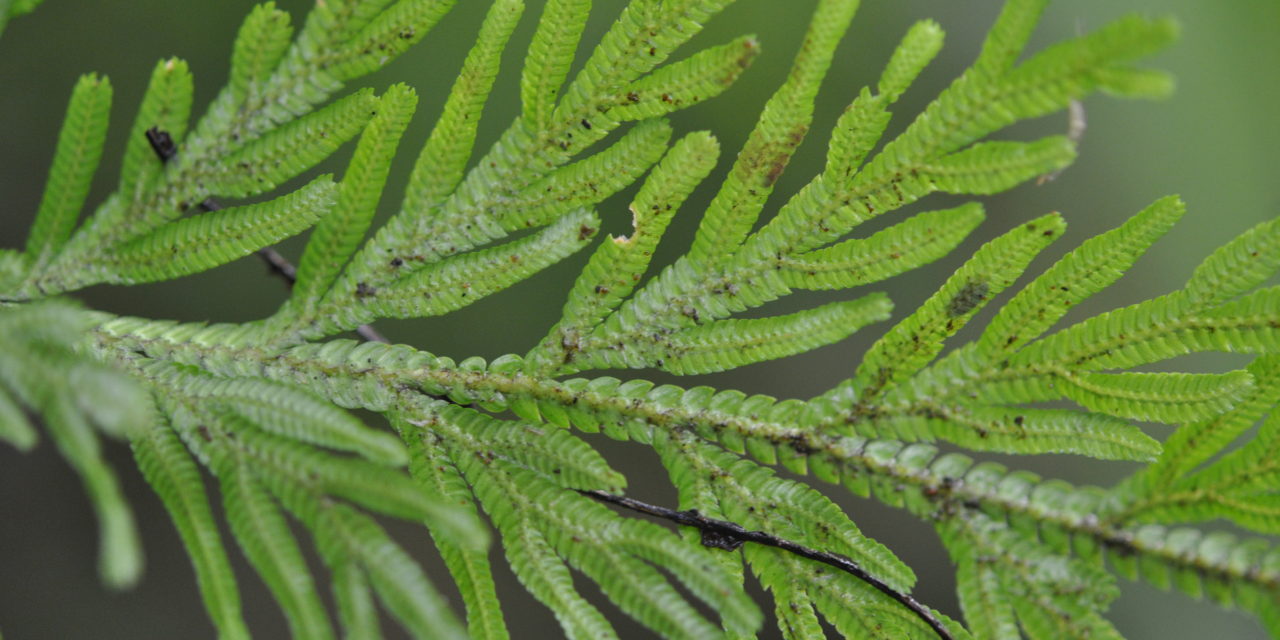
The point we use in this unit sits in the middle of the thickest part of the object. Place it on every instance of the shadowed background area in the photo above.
(1213, 143)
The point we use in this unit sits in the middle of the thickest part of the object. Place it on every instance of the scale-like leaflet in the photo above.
(166, 106)
(338, 235)
(213, 238)
(75, 159)
(917, 241)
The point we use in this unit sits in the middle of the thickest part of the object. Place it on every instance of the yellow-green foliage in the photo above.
(479, 451)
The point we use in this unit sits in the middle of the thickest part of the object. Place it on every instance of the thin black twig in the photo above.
(162, 143)
(726, 535)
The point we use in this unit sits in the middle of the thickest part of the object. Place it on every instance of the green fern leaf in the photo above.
(166, 106)
(297, 414)
(376, 487)
(1090, 268)
(589, 180)
(80, 141)
(264, 536)
(982, 598)
(917, 49)
(259, 47)
(1238, 267)
(267, 162)
(214, 238)
(432, 468)
(907, 245)
(385, 37)
(1023, 430)
(173, 475)
(399, 582)
(119, 551)
(460, 281)
(916, 340)
(992, 167)
(550, 55)
(777, 134)
(567, 460)
(704, 75)
(14, 426)
(548, 579)
(729, 344)
(443, 159)
(1195, 443)
(1008, 36)
(354, 597)
(1159, 397)
(337, 235)
(617, 266)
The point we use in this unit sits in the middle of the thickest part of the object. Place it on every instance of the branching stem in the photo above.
(726, 535)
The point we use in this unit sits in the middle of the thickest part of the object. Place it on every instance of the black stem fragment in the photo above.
(726, 535)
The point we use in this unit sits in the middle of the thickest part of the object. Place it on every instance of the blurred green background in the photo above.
(1215, 143)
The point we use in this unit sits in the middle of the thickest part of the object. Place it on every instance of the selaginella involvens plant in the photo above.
(474, 447)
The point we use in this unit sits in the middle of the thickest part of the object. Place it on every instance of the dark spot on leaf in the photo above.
(972, 294)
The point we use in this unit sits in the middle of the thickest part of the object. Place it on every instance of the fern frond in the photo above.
(281, 155)
(917, 49)
(214, 238)
(259, 47)
(173, 475)
(1084, 271)
(1238, 267)
(337, 236)
(548, 579)
(916, 340)
(1159, 397)
(119, 550)
(432, 468)
(992, 167)
(385, 37)
(354, 598)
(14, 426)
(460, 281)
(617, 266)
(376, 487)
(297, 414)
(1008, 36)
(679, 85)
(264, 536)
(75, 159)
(917, 241)
(591, 179)
(39, 367)
(729, 344)
(1192, 444)
(444, 157)
(401, 585)
(779, 131)
(1021, 430)
(166, 107)
(559, 456)
(263, 405)
(550, 54)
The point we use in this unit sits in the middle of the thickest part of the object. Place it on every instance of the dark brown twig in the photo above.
(162, 143)
(726, 535)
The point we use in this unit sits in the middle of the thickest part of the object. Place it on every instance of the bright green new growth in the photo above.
(260, 405)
